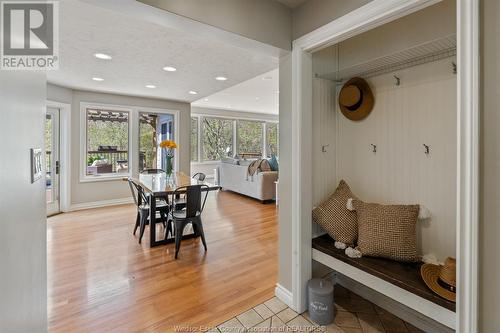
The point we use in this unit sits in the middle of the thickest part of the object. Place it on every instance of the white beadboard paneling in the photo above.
(421, 110)
(324, 123)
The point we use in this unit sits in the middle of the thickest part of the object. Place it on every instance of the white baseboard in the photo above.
(102, 203)
(284, 295)
(407, 314)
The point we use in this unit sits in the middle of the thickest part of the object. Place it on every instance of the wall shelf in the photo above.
(420, 54)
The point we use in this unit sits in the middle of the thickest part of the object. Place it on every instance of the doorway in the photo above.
(52, 160)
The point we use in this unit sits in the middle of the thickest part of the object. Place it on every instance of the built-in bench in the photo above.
(399, 281)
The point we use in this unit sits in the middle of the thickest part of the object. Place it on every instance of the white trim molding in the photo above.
(102, 203)
(372, 15)
(468, 165)
(284, 295)
(64, 153)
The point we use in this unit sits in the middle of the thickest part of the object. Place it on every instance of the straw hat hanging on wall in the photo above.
(356, 99)
(441, 279)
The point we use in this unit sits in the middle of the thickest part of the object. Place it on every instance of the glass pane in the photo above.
(249, 138)
(194, 139)
(48, 157)
(217, 138)
(272, 139)
(153, 128)
(107, 142)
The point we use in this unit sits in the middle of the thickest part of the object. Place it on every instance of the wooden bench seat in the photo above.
(368, 271)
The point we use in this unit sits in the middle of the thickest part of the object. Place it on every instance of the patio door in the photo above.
(52, 180)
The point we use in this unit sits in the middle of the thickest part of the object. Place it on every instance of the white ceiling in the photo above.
(260, 95)
(140, 50)
(292, 3)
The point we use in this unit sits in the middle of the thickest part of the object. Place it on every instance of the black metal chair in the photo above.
(199, 176)
(195, 203)
(142, 203)
(180, 200)
(152, 171)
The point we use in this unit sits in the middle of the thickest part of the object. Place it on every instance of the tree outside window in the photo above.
(217, 138)
(249, 137)
(194, 139)
(272, 139)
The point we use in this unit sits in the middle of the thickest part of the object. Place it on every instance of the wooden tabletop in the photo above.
(160, 184)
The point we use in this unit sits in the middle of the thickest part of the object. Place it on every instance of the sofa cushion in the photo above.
(273, 163)
(387, 231)
(334, 217)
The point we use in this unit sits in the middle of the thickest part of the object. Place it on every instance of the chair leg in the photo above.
(144, 220)
(199, 230)
(163, 219)
(179, 230)
(137, 222)
(169, 229)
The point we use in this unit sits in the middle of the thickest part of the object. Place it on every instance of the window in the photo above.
(272, 133)
(194, 139)
(249, 138)
(153, 128)
(217, 138)
(107, 142)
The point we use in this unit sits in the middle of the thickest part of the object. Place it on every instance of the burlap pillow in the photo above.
(387, 231)
(333, 216)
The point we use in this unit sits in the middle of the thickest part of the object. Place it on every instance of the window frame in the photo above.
(235, 120)
(133, 139)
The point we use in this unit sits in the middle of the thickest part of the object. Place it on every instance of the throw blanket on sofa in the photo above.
(258, 166)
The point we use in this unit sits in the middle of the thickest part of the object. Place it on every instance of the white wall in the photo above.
(489, 224)
(82, 193)
(422, 110)
(23, 248)
(266, 21)
(316, 13)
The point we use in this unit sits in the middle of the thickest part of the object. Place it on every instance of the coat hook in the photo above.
(454, 67)
(323, 148)
(427, 149)
(374, 148)
(398, 80)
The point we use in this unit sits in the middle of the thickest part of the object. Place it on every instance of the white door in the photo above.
(52, 160)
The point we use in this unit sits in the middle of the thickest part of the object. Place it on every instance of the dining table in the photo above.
(159, 185)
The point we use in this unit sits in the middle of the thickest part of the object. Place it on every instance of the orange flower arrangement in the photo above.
(168, 144)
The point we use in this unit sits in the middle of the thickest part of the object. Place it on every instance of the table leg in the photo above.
(152, 220)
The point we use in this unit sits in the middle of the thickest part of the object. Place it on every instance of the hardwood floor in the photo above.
(101, 280)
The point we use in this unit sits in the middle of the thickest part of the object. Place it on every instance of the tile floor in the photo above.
(353, 315)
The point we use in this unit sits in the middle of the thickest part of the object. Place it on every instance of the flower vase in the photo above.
(169, 166)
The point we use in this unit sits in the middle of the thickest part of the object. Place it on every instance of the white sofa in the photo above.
(260, 186)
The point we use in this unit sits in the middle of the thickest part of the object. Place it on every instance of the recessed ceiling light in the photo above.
(193, 92)
(169, 69)
(103, 56)
(266, 78)
(206, 99)
(150, 86)
(221, 78)
(257, 98)
(98, 79)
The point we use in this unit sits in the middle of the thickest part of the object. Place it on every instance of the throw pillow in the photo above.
(334, 217)
(273, 163)
(387, 231)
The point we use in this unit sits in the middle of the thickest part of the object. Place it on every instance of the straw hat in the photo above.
(441, 279)
(356, 99)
